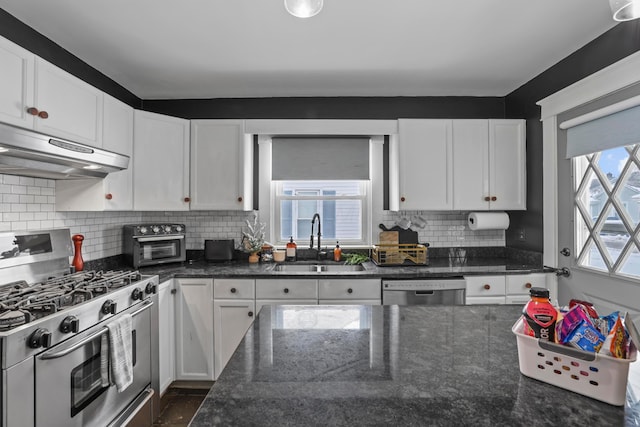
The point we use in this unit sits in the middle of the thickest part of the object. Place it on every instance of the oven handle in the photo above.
(160, 238)
(147, 303)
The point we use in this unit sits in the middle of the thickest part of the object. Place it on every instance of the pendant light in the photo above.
(303, 8)
(625, 10)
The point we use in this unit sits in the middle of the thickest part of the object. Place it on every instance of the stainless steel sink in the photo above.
(318, 268)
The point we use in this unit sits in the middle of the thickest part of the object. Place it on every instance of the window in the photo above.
(342, 206)
(607, 210)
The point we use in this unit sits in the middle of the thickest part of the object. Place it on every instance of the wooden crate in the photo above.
(401, 254)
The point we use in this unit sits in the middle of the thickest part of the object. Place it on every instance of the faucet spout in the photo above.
(313, 221)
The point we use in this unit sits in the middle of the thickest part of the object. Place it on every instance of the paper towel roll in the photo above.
(488, 220)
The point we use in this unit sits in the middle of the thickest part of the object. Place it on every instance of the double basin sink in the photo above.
(317, 267)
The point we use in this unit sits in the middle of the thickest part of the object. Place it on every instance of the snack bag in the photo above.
(616, 344)
(586, 337)
(571, 320)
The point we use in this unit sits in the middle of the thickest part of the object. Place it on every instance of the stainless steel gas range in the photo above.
(56, 364)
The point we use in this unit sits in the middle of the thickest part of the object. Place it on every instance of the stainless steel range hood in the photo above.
(28, 153)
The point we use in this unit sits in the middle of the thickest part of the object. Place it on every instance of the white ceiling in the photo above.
(252, 48)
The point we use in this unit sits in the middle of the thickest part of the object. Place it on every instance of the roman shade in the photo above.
(603, 129)
(320, 158)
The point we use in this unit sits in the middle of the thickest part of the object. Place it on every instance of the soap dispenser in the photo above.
(337, 253)
(291, 250)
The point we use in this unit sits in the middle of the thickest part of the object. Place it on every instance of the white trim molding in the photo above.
(617, 76)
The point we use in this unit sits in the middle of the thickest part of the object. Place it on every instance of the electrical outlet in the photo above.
(521, 234)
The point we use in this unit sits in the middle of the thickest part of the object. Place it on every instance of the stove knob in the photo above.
(150, 288)
(109, 307)
(178, 228)
(137, 294)
(143, 230)
(155, 229)
(167, 229)
(39, 338)
(70, 324)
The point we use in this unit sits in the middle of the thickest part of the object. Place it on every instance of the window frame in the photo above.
(365, 214)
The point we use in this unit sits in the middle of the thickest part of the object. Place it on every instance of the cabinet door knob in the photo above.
(233, 290)
(108, 196)
(286, 290)
(494, 198)
(527, 285)
(487, 199)
(402, 199)
(43, 115)
(33, 111)
(187, 199)
(251, 314)
(173, 291)
(240, 199)
(349, 291)
(487, 286)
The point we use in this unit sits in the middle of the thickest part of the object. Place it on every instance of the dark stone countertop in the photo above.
(437, 268)
(405, 366)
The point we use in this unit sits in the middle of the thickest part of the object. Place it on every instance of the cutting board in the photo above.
(388, 238)
(407, 236)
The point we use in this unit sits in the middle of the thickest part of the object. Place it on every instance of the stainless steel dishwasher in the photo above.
(447, 291)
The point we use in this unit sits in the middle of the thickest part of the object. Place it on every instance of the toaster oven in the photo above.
(152, 244)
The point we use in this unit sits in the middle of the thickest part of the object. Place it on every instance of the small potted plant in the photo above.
(254, 238)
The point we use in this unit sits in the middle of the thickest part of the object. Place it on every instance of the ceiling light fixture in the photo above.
(303, 8)
(625, 10)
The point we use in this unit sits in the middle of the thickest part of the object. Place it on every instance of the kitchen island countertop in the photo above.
(393, 365)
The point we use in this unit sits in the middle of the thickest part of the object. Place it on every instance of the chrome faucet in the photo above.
(313, 221)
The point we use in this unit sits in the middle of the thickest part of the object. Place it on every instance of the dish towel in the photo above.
(104, 360)
(121, 351)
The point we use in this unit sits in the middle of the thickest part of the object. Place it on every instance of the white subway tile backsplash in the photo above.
(29, 204)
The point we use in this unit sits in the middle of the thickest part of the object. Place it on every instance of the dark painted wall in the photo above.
(331, 107)
(617, 43)
(28, 38)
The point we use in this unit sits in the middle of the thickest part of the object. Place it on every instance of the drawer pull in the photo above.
(487, 286)
(233, 290)
(286, 290)
(251, 314)
(349, 291)
(527, 285)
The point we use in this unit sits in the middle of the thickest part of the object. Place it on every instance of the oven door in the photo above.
(68, 384)
(159, 249)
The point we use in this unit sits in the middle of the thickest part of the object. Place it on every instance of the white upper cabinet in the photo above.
(38, 95)
(425, 164)
(17, 67)
(221, 165)
(160, 162)
(115, 192)
(489, 168)
(507, 157)
(73, 107)
(117, 136)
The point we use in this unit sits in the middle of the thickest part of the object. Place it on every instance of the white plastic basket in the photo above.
(595, 375)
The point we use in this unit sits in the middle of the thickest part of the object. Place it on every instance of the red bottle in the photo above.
(540, 315)
(78, 263)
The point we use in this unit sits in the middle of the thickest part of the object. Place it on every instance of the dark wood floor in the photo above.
(179, 404)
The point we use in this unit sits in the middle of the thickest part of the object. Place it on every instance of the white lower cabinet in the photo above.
(518, 287)
(166, 334)
(485, 290)
(349, 291)
(286, 291)
(194, 329)
(234, 310)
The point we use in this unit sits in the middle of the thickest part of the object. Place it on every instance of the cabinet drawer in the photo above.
(485, 300)
(517, 299)
(233, 289)
(349, 289)
(520, 284)
(478, 286)
(287, 289)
